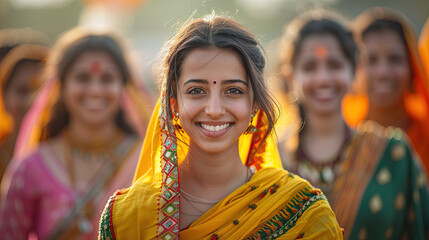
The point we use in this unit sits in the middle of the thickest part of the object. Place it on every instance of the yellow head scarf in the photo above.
(163, 150)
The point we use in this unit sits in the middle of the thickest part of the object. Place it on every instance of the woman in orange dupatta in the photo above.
(231, 184)
(78, 143)
(19, 80)
(393, 88)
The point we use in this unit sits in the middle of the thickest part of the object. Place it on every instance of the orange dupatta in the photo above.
(355, 104)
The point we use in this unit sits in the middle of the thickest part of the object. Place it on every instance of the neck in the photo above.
(92, 136)
(323, 137)
(396, 116)
(322, 126)
(212, 175)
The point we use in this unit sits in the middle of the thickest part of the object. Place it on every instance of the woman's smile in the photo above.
(214, 129)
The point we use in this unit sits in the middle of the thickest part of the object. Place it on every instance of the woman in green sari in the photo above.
(372, 177)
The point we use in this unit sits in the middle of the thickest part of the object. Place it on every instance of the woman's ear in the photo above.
(255, 107)
(173, 105)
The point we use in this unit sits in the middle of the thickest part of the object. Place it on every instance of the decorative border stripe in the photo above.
(289, 214)
(107, 231)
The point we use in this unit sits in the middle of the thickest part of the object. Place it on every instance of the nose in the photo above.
(381, 69)
(323, 75)
(215, 106)
(95, 87)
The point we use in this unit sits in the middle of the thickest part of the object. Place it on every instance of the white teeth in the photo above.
(94, 103)
(214, 128)
(325, 92)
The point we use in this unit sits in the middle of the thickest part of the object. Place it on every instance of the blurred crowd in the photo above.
(352, 95)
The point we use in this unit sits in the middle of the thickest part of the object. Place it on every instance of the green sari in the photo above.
(379, 189)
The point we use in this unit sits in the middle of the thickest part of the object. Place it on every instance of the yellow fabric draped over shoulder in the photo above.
(355, 104)
(273, 203)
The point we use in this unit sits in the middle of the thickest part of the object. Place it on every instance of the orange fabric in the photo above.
(424, 46)
(355, 104)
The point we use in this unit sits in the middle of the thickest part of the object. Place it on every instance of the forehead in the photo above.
(387, 38)
(319, 43)
(24, 71)
(87, 58)
(210, 62)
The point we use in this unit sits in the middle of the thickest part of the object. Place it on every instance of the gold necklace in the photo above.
(191, 202)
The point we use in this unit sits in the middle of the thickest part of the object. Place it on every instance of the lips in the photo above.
(325, 94)
(216, 128)
(212, 129)
(383, 87)
(94, 104)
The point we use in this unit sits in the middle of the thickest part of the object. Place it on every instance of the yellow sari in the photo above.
(273, 204)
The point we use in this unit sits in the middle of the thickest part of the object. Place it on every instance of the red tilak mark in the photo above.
(214, 82)
(95, 67)
(321, 51)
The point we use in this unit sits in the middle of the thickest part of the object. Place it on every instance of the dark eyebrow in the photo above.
(196, 81)
(231, 81)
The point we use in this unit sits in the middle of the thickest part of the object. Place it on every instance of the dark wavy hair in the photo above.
(219, 32)
(314, 23)
(66, 51)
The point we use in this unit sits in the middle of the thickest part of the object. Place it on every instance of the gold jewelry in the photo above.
(188, 196)
(251, 129)
(176, 121)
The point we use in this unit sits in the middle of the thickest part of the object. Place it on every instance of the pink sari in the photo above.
(39, 196)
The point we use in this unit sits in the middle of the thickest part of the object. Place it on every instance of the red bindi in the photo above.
(95, 67)
(321, 51)
(214, 82)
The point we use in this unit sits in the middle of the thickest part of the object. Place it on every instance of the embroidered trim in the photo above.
(169, 198)
(289, 214)
(107, 232)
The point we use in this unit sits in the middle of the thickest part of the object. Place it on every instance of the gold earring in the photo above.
(176, 119)
(251, 129)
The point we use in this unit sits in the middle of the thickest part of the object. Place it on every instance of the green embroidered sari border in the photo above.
(106, 223)
(289, 214)
(294, 219)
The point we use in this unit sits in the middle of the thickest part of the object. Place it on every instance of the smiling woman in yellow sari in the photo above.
(231, 184)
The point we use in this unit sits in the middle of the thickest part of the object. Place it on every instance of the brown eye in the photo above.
(397, 59)
(310, 66)
(372, 59)
(234, 91)
(335, 64)
(107, 78)
(195, 91)
(82, 77)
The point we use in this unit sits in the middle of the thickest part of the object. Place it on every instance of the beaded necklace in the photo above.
(102, 152)
(322, 173)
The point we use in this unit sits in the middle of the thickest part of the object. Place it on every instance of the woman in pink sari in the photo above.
(79, 142)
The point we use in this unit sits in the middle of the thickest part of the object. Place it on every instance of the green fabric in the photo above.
(406, 177)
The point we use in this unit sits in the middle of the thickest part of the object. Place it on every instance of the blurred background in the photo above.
(148, 23)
